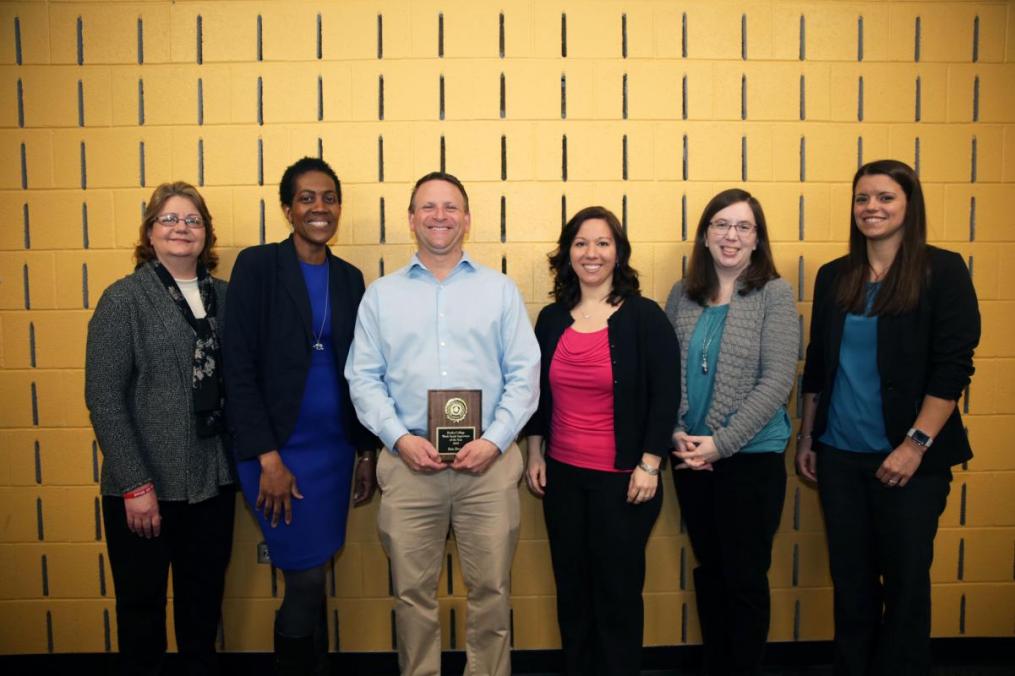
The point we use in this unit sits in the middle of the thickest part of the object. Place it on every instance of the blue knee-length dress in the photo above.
(319, 454)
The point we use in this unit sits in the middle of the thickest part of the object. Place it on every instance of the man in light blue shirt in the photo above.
(446, 322)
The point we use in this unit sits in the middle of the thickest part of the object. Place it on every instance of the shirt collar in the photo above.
(416, 266)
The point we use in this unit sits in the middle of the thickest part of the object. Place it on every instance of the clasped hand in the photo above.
(694, 451)
(419, 455)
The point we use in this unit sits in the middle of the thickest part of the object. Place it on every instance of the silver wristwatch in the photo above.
(921, 439)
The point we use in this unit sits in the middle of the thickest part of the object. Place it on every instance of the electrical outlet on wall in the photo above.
(262, 553)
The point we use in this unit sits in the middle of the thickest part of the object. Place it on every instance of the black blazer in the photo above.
(646, 377)
(926, 351)
(267, 350)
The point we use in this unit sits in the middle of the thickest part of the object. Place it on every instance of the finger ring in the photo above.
(893, 482)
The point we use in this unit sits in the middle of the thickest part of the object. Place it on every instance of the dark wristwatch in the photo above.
(921, 439)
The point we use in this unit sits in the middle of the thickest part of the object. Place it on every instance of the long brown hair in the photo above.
(902, 285)
(566, 287)
(144, 252)
(701, 282)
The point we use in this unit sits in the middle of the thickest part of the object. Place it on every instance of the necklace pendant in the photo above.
(317, 346)
(704, 364)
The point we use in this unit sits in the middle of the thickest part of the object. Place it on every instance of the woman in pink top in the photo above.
(609, 396)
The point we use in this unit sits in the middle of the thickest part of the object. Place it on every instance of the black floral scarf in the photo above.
(207, 373)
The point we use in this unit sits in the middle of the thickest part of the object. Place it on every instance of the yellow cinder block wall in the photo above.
(647, 107)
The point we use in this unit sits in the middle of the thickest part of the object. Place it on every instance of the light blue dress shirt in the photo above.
(416, 333)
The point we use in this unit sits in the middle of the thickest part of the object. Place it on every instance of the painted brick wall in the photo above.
(648, 107)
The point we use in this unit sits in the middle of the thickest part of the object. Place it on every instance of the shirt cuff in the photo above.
(392, 432)
(499, 436)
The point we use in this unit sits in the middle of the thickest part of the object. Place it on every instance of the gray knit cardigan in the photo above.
(138, 371)
(757, 360)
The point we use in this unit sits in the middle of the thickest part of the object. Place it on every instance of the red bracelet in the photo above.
(139, 491)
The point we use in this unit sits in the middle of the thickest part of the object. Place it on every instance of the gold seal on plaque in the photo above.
(456, 409)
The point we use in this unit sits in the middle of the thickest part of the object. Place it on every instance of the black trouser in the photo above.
(880, 547)
(196, 541)
(597, 545)
(731, 514)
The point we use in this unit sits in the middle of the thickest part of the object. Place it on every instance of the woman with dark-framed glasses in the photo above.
(737, 326)
(153, 386)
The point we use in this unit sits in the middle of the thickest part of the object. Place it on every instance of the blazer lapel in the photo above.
(339, 307)
(176, 327)
(292, 279)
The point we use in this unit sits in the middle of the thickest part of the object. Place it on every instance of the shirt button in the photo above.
(444, 373)
(443, 343)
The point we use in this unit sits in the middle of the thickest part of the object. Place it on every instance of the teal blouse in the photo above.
(702, 360)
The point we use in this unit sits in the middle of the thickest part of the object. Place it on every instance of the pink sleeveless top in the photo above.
(581, 380)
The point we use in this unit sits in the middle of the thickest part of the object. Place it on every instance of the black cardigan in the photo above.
(926, 351)
(646, 377)
(267, 349)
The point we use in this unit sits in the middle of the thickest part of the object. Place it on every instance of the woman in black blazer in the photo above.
(295, 434)
(893, 329)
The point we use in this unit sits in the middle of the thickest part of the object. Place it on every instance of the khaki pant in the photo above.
(416, 511)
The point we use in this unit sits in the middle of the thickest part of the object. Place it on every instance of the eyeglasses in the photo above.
(723, 227)
(192, 221)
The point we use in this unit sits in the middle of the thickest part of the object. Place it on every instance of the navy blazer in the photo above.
(928, 351)
(267, 350)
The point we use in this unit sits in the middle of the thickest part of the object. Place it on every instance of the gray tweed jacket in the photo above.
(757, 360)
(138, 370)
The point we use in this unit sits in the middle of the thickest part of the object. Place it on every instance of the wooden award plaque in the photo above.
(454, 418)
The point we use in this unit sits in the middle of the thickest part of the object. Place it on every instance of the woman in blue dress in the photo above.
(295, 434)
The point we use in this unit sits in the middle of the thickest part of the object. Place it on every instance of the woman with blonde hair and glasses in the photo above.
(739, 335)
(153, 386)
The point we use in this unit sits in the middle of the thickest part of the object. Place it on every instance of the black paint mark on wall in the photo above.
(260, 161)
(859, 38)
(200, 40)
(803, 38)
(260, 101)
(503, 96)
(917, 36)
(200, 101)
(623, 36)
(260, 38)
(320, 37)
(200, 162)
(17, 41)
(84, 167)
(21, 103)
(803, 97)
(563, 96)
(440, 35)
(563, 35)
(563, 157)
(140, 102)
